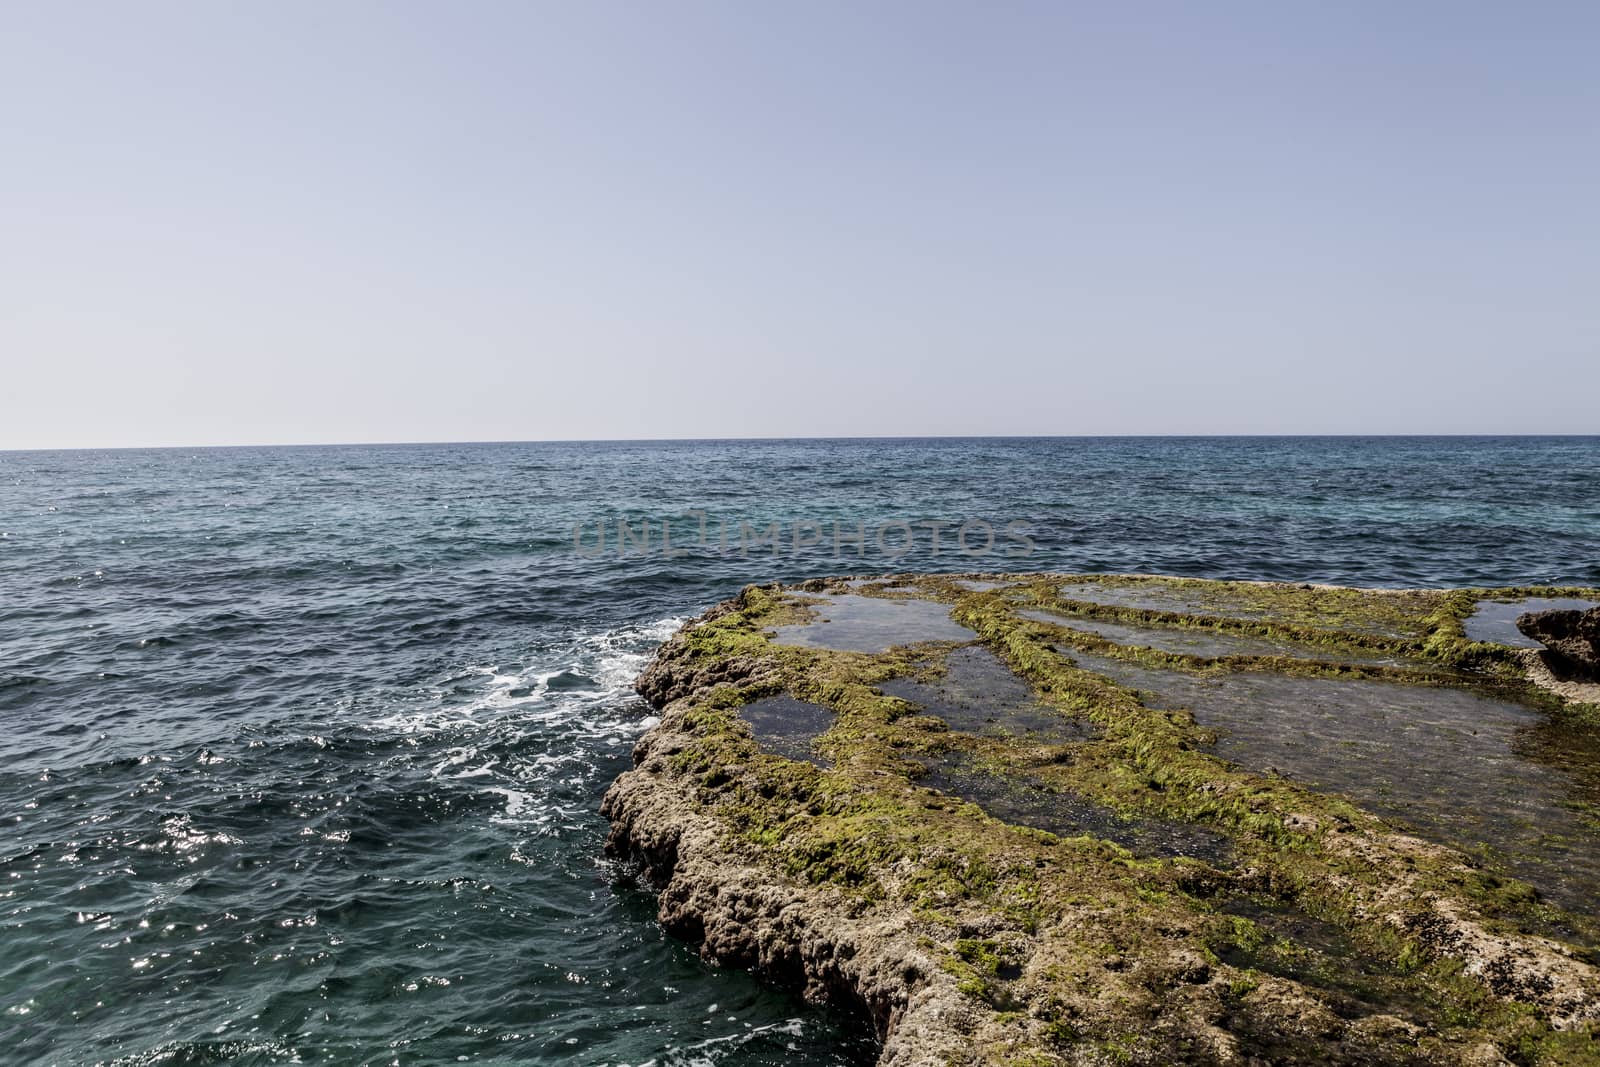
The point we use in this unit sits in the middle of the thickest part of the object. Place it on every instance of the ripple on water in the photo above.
(309, 890)
(371, 641)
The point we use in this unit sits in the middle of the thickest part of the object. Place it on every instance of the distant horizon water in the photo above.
(813, 438)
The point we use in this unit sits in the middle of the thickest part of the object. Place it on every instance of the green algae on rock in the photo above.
(1072, 873)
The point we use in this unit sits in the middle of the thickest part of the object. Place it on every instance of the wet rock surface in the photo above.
(1026, 801)
(1571, 638)
(993, 849)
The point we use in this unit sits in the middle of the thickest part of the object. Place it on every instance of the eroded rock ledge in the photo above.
(1571, 640)
(982, 882)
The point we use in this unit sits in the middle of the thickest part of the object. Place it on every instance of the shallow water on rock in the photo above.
(1497, 620)
(979, 586)
(1207, 643)
(789, 727)
(1162, 596)
(846, 622)
(870, 581)
(1484, 775)
(1149, 596)
(1025, 801)
(978, 694)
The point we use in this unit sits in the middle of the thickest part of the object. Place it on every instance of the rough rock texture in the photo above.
(835, 948)
(1571, 637)
(960, 939)
(809, 938)
(1572, 690)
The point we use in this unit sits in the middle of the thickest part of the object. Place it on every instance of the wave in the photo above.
(709, 1052)
(539, 737)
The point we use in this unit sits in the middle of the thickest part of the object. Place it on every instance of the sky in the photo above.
(302, 222)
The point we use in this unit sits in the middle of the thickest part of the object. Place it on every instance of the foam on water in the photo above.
(715, 1050)
(592, 711)
(356, 862)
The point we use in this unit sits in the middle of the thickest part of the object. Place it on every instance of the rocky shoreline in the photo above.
(1073, 874)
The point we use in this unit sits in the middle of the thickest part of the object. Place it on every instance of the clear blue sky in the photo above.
(313, 222)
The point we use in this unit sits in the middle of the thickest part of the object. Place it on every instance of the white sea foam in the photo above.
(575, 704)
(610, 659)
(710, 1051)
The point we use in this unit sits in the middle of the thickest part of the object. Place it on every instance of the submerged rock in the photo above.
(990, 853)
(1572, 638)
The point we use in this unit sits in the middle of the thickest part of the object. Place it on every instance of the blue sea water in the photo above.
(301, 748)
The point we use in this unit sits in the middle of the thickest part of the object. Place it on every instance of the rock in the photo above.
(958, 937)
(1301, 824)
(1571, 638)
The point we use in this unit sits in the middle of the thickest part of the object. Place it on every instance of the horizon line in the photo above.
(780, 438)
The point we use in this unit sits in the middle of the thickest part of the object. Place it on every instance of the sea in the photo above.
(301, 748)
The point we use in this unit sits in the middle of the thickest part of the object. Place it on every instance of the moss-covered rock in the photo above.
(876, 878)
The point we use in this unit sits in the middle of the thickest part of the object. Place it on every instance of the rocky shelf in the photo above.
(1042, 819)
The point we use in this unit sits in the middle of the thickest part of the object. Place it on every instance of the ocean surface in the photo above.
(301, 748)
